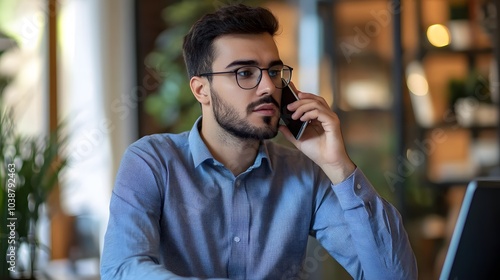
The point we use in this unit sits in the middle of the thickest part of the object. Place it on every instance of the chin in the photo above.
(270, 129)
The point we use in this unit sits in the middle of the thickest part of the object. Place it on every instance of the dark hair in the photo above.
(234, 19)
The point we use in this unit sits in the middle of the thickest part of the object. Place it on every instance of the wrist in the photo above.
(339, 173)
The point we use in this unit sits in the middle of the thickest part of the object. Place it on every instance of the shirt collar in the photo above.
(198, 148)
(201, 153)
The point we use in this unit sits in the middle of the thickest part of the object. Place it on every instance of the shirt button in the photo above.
(236, 239)
(237, 183)
(358, 186)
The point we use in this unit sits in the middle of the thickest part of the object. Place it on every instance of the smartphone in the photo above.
(296, 127)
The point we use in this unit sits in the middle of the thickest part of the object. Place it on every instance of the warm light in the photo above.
(420, 96)
(417, 84)
(438, 35)
(416, 80)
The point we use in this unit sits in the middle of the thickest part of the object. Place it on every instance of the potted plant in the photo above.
(29, 171)
(471, 101)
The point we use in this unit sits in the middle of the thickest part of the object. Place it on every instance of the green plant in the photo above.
(29, 171)
(474, 85)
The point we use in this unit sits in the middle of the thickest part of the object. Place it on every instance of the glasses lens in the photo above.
(248, 77)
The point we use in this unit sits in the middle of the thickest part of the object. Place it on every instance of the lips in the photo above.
(266, 109)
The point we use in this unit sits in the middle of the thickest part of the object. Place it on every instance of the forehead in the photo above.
(260, 48)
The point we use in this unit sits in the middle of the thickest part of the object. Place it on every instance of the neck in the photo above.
(234, 153)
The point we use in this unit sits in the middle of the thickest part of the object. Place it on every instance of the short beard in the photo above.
(227, 117)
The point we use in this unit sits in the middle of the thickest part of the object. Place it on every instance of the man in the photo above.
(221, 201)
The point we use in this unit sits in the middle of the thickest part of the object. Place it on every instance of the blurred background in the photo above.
(415, 83)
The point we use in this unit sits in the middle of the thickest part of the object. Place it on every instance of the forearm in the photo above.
(376, 229)
(130, 245)
(135, 268)
(340, 172)
(143, 268)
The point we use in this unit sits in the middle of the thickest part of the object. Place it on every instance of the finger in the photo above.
(328, 122)
(308, 105)
(310, 116)
(306, 95)
(309, 99)
(301, 102)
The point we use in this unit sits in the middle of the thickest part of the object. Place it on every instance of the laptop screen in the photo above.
(474, 251)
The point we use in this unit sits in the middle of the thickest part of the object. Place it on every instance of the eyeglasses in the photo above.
(249, 77)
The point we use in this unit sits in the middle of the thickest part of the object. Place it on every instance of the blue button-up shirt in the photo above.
(177, 212)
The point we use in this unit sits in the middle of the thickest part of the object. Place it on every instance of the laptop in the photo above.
(474, 251)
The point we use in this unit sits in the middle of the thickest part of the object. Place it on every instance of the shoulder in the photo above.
(159, 146)
(160, 141)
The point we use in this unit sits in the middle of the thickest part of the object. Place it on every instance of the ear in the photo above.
(201, 89)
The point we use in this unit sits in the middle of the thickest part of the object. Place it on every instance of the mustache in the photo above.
(265, 100)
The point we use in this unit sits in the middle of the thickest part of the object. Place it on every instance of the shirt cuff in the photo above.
(355, 191)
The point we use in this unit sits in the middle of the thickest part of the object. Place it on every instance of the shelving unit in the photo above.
(467, 149)
(362, 41)
(472, 61)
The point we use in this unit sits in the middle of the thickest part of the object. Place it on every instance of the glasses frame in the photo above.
(259, 79)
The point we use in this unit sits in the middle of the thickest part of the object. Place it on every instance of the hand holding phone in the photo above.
(296, 127)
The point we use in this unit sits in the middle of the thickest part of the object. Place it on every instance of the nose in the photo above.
(266, 84)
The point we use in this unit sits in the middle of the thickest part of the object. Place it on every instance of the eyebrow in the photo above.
(252, 62)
